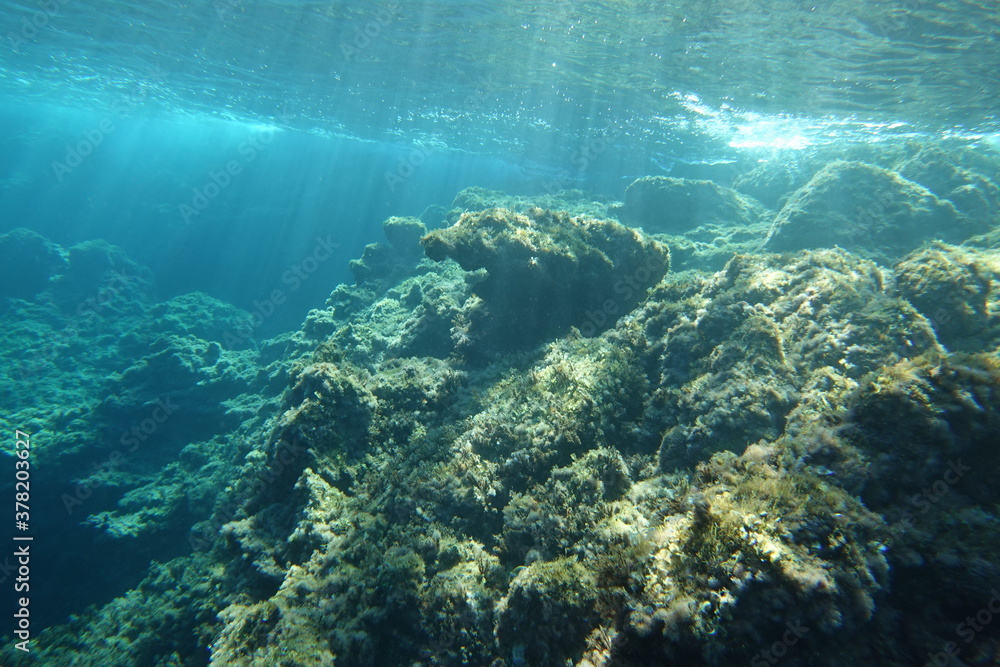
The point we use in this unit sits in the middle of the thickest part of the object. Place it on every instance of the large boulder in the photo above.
(867, 209)
(666, 205)
(544, 272)
(952, 287)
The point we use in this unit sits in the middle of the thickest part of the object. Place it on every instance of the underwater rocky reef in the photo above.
(714, 424)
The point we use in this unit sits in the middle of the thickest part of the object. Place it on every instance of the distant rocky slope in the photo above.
(878, 204)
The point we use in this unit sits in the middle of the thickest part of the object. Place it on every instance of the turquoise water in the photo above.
(524, 96)
(209, 254)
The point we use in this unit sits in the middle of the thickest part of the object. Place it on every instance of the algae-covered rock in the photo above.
(738, 350)
(667, 205)
(202, 316)
(707, 248)
(186, 374)
(703, 223)
(868, 209)
(918, 417)
(939, 171)
(377, 259)
(562, 589)
(952, 287)
(547, 272)
(555, 464)
(171, 613)
(927, 428)
(330, 408)
(404, 234)
(761, 550)
(382, 262)
(774, 458)
(137, 412)
(418, 316)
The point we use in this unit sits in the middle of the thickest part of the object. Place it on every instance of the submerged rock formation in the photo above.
(382, 262)
(866, 208)
(785, 455)
(954, 288)
(667, 205)
(545, 272)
